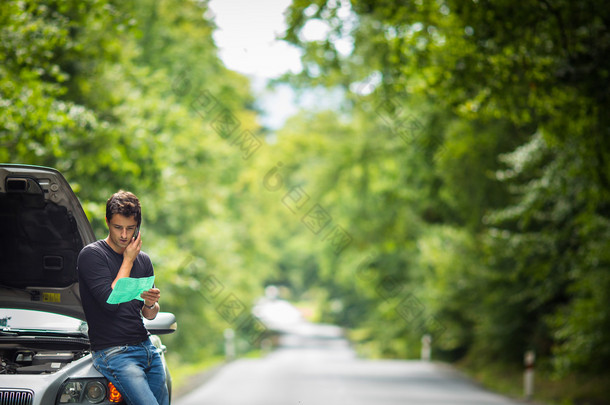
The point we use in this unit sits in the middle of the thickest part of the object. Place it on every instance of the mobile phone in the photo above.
(135, 234)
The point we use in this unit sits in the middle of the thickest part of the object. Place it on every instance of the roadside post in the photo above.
(528, 377)
(229, 335)
(426, 347)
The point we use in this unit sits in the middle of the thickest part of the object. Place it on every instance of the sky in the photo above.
(247, 41)
(246, 37)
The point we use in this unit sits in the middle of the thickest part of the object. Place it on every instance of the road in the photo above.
(318, 367)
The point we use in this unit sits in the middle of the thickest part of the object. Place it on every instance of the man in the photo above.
(120, 346)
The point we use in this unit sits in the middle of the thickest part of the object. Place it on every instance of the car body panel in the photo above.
(43, 229)
(46, 386)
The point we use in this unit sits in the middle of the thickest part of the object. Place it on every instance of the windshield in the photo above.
(23, 319)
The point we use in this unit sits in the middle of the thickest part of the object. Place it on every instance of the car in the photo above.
(45, 355)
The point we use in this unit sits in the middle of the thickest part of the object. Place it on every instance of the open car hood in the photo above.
(43, 228)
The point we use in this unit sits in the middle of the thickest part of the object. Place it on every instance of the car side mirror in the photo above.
(163, 324)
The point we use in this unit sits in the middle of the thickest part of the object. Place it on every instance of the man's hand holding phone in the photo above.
(133, 249)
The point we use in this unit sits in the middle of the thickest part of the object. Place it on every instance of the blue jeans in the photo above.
(136, 371)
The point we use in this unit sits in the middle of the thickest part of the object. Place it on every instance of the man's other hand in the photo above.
(151, 296)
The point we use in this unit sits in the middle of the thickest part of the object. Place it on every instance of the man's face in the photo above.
(121, 230)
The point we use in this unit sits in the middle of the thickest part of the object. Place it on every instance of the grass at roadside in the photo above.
(570, 390)
(182, 372)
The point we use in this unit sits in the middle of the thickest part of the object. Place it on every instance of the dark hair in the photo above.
(124, 203)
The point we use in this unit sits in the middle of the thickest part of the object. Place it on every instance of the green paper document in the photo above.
(127, 289)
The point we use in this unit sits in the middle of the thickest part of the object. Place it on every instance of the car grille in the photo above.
(16, 397)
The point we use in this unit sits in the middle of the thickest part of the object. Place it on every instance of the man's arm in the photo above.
(95, 276)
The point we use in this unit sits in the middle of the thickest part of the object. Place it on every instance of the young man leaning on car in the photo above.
(121, 349)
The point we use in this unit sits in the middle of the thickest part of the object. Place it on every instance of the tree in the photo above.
(111, 95)
(528, 77)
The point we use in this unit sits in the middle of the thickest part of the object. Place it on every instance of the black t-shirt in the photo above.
(110, 324)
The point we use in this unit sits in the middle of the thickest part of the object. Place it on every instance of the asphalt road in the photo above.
(318, 367)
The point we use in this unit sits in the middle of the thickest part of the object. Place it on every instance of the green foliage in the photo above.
(462, 190)
(507, 193)
(59, 60)
(105, 92)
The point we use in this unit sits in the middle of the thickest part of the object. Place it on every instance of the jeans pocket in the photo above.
(113, 351)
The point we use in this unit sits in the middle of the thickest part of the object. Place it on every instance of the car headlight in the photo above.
(95, 392)
(88, 391)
